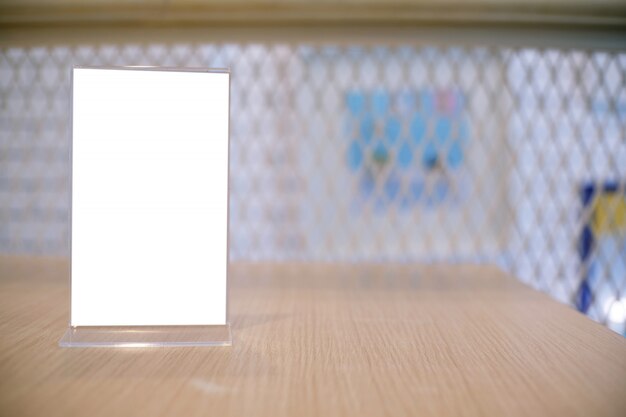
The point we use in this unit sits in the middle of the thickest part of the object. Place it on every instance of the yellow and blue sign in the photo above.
(602, 241)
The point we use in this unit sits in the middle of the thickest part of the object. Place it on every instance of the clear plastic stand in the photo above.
(146, 336)
(130, 264)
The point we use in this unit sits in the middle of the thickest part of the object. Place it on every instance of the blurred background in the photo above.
(370, 131)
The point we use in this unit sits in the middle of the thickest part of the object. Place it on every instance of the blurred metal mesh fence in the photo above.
(351, 153)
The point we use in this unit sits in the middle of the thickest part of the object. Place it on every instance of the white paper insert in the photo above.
(149, 197)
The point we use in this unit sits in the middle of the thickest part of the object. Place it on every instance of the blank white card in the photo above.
(149, 197)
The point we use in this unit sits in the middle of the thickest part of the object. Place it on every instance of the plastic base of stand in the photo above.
(146, 336)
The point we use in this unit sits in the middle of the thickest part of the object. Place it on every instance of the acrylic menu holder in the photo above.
(149, 207)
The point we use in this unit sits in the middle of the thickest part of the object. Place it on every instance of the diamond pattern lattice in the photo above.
(350, 153)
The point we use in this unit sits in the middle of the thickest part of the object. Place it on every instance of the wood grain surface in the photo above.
(329, 340)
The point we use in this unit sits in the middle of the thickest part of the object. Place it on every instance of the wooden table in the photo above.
(328, 340)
